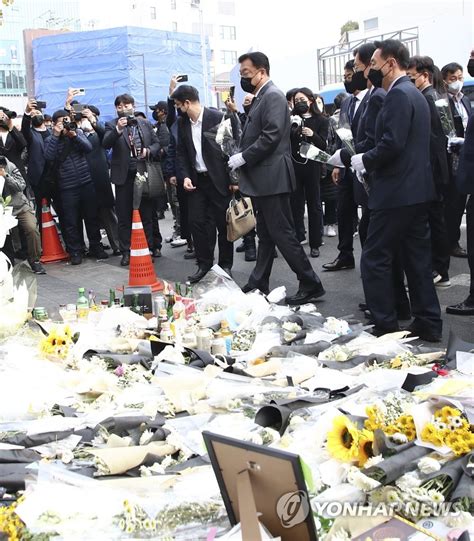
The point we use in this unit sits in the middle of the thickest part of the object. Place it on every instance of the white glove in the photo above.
(455, 141)
(357, 163)
(335, 159)
(236, 161)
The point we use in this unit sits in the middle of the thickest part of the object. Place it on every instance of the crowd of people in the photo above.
(400, 182)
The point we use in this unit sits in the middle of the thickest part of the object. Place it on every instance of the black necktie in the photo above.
(352, 108)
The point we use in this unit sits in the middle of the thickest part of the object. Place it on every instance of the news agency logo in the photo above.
(293, 508)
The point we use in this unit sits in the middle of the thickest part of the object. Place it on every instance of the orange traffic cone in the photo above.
(142, 272)
(52, 248)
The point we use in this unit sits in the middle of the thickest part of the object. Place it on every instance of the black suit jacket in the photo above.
(438, 142)
(266, 146)
(13, 147)
(399, 163)
(122, 160)
(465, 173)
(216, 162)
(344, 114)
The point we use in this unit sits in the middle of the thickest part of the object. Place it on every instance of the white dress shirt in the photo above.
(265, 83)
(196, 132)
(3, 136)
(393, 82)
(360, 96)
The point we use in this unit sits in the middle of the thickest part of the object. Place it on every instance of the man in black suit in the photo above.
(203, 169)
(461, 109)
(131, 139)
(421, 70)
(401, 188)
(351, 112)
(267, 176)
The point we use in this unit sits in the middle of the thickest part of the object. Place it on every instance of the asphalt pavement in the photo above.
(343, 288)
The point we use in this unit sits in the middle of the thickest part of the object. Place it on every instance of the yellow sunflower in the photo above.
(457, 444)
(343, 439)
(410, 434)
(446, 412)
(366, 440)
(429, 433)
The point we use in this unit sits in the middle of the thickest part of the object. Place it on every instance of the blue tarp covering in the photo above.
(110, 62)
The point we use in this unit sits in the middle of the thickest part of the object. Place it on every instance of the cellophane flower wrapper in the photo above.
(444, 111)
(344, 133)
(226, 135)
(312, 152)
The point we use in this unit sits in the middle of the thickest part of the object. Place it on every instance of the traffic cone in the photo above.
(52, 248)
(142, 272)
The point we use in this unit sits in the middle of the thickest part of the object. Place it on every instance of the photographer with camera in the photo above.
(12, 142)
(308, 125)
(67, 148)
(132, 140)
(12, 185)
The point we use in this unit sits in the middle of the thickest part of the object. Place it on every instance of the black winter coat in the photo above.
(99, 168)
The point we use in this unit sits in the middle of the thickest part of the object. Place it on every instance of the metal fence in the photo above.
(331, 60)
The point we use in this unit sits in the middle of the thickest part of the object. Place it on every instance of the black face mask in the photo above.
(301, 108)
(413, 80)
(375, 77)
(470, 67)
(359, 81)
(350, 86)
(155, 115)
(37, 120)
(3, 125)
(246, 84)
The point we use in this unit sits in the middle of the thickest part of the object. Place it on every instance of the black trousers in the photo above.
(440, 244)
(205, 202)
(470, 244)
(124, 209)
(108, 221)
(308, 190)
(80, 203)
(330, 212)
(454, 205)
(275, 227)
(346, 209)
(390, 230)
(157, 237)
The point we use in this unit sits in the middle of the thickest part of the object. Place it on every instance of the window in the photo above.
(229, 57)
(227, 32)
(174, 26)
(371, 24)
(208, 29)
(173, 4)
(153, 12)
(225, 8)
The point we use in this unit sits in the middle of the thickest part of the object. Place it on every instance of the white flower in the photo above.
(145, 437)
(420, 494)
(256, 438)
(296, 420)
(408, 481)
(339, 535)
(398, 437)
(428, 465)
(373, 461)
(392, 496)
(459, 520)
(67, 456)
(333, 325)
(436, 497)
(361, 481)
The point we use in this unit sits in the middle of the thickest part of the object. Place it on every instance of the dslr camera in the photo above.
(131, 120)
(10, 114)
(69, 125)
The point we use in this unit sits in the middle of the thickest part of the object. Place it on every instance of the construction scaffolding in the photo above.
(331, 60)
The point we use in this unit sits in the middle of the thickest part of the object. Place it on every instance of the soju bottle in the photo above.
(82, 304)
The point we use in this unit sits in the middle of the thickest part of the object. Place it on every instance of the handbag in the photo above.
(240, 218)
(155, 183)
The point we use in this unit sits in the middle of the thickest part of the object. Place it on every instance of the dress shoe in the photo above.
(248, 288)
(380, 331)
(339, 264)
(125, 261)
(156, 252)
(76, 259)
(363, 306)
(314, 252)
(190, 254)
(304, 295)
(37, 267)
(423, 334)
(402, 315)
(116, 252)
(227, 270)
(99, 253)
(457, 251)
(198, 275)
(462, 309)
(241, 247)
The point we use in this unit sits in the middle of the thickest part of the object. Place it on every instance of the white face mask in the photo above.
(455, 87)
